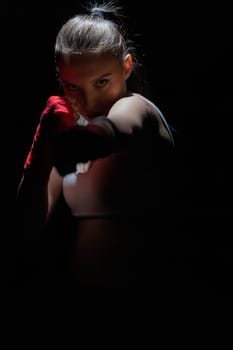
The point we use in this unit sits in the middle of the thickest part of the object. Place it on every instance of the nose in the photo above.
(78, 101)
(85, 103)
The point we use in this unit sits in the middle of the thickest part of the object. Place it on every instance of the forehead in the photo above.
(72, 67)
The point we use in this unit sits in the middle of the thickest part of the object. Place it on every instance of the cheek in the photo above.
(115, 93)
(107, 100)
(69, 93)
(116, 90)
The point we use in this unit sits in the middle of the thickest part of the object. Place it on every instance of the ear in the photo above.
(128, 65)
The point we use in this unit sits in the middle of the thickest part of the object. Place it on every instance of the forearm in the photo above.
(34, 200)
(32, 203)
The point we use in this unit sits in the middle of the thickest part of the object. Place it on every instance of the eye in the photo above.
(101, 83)
(70, 87)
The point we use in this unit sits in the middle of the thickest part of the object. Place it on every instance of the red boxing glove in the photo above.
(57, 117)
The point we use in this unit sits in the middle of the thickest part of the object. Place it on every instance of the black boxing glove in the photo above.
(83, 143)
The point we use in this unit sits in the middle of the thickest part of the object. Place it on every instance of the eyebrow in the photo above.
(102, 77)
(67, 82)
(106, 75)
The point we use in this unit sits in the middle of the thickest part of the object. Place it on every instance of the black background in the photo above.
(187, 52)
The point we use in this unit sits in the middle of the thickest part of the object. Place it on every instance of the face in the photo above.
(94, 82)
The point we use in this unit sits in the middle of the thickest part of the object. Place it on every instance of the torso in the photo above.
(108, 199)
(117, 185)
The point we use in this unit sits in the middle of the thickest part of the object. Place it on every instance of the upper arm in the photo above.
(129, 114)
(134, 115)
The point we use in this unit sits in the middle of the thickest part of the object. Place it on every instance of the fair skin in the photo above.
(93, 83)
(96, 86)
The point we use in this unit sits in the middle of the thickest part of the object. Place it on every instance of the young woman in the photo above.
(101, 149)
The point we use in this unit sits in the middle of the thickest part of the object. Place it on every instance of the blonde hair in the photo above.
(99, 29)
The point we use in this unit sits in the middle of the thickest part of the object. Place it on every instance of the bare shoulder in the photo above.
(134, 102)
(132, 110)
(138, 112)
